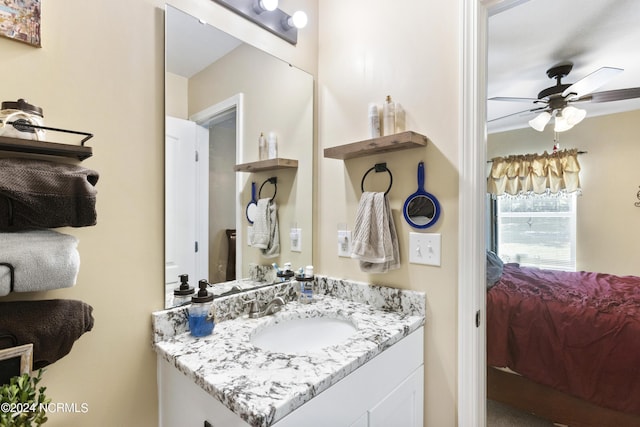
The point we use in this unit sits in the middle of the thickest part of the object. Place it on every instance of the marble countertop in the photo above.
(262, 386)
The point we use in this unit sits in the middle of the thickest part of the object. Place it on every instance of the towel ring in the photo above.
(273, 180)
(379, 167)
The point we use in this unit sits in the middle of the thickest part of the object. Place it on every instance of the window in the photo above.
(537, 231)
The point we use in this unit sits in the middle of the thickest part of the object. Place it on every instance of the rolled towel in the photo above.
(43, 194)
(51, 325)
(41, 260)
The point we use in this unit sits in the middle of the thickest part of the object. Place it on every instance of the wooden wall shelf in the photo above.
(20, 145)
(267, 165)
(383, 144)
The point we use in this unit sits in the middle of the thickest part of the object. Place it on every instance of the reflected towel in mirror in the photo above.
(265, 233)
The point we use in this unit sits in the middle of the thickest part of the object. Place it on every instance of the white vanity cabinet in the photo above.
(387, 390)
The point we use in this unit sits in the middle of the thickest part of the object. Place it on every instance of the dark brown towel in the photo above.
(43, 194)
(51, 325)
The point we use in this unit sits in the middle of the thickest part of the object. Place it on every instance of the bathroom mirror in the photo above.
(220, 95)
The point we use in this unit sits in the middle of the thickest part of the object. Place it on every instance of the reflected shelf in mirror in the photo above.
(267, 165)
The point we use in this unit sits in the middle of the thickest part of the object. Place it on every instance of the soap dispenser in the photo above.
(201, 316)
(183, 293)
(306, 281)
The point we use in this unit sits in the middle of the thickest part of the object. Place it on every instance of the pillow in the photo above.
(494, 268)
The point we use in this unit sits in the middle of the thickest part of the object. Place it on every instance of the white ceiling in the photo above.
(528, 39)
(191, 45)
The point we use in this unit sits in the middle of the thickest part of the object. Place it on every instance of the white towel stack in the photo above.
(42, 260)
(375, 241)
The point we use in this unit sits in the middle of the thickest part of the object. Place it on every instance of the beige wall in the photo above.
(176, 93)
(605, 239)
(369, 50)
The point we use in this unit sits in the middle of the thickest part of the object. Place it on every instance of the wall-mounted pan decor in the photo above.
(21, 21)
(421, 209)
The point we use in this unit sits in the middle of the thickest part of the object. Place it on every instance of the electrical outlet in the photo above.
(296, 239)
(344, 243)
(424, 248)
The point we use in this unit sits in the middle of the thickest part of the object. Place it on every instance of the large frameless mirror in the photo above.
(220, 95)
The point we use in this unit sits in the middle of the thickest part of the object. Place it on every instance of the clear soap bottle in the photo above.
(183, 293)
(201, 316)
(389, 117)
(262, 147)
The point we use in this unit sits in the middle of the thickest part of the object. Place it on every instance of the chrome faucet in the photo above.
(271, 307)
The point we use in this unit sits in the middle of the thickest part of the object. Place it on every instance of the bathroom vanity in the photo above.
(353, 357)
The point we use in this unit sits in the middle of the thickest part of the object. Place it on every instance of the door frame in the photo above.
(472, 387)
(203, 118)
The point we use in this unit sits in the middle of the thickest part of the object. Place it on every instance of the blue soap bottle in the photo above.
(201, 319)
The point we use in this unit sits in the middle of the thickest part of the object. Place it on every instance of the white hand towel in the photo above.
(262, 225)
(42, 260)
(273, 248)
(375, 241)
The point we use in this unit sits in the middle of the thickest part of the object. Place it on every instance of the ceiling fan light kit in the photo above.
(555, 101)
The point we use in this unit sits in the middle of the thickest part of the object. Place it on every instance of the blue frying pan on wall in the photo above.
(421, 209)
(253, 205)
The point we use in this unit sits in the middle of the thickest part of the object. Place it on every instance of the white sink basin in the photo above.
(302, 335)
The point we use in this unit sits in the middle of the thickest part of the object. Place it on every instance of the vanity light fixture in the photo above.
(566, 118)
(267, 5)
(265, 14)
(297, 20)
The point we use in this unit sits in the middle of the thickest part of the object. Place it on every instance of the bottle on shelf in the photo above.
(272, 145)
(389, 117)
(374, 121)
(262, 147)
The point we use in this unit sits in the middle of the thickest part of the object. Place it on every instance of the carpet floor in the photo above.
(500, 415)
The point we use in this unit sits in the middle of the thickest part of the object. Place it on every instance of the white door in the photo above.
(186, 201)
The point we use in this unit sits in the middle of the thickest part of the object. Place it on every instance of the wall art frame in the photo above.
(20, 21)
(15, 361)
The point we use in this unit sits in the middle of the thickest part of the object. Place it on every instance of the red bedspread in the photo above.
(577, 332)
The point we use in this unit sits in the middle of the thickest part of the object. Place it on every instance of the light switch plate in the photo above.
(296, 239)
(424, 248)
(344, 243)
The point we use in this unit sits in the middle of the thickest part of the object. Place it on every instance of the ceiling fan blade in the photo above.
(611, 95)
(592, 82)
(512, 99)
(524, 112)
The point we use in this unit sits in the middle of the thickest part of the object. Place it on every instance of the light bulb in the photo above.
(269, 5)
(573, 115)
(561, 124)
(298, 20)
(540, 121)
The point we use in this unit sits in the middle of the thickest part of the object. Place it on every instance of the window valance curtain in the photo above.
(535, 174)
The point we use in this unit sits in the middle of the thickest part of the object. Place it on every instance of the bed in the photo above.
(570, 341)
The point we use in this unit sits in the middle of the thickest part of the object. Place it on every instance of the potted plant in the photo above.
(22, 403)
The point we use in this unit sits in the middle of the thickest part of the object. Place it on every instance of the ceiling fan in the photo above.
(556, 101)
